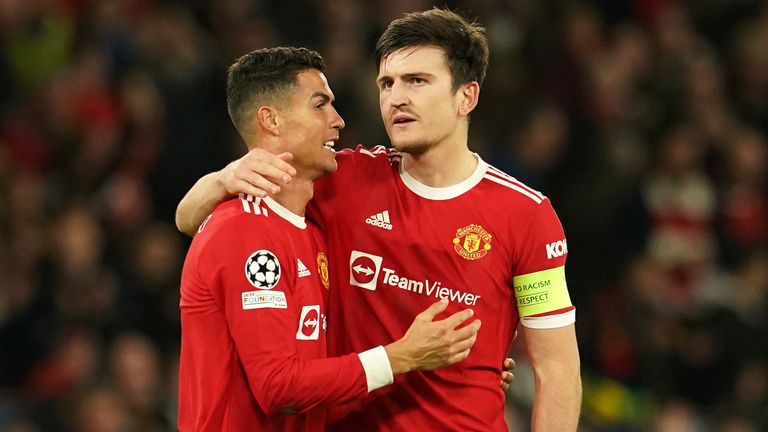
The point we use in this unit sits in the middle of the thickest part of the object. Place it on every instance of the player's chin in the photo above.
(409, 146)
(330, 166)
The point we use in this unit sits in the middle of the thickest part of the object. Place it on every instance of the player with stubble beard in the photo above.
(429, 219)
(255, 281)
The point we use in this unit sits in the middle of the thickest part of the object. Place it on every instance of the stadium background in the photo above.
(645, 121)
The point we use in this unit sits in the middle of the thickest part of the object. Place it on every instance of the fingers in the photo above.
(458, 357)
(508, 364)
(465, 344)
(282, 163)
(507, 377)
(456, 319)
(432, 311)
(258, 173)
(467, 331)
(504, 385)
(264, 169)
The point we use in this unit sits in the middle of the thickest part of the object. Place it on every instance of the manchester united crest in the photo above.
(322, 269)
(472, 242)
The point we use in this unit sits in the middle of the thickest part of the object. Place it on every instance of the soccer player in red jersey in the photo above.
(430, 219)
(255, 281)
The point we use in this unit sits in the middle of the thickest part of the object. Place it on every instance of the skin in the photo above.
(302, 126)
(424, 117)
(428, 120)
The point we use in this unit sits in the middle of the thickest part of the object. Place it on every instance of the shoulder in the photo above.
(235, 219)
(513, 190)
(370, 155)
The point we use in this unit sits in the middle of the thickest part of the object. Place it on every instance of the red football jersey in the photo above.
(253, 305)
(396, 246)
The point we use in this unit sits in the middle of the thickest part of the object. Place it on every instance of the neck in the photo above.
(295, 195)
(441, 166)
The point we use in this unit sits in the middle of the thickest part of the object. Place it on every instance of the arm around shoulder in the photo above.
(250, 174)
(199, 202)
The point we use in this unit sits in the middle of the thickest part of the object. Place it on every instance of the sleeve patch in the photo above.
(541, 292)
(264, 300)
(262, 269)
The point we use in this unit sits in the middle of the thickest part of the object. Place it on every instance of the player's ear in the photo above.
(268, 118)
(469, 95)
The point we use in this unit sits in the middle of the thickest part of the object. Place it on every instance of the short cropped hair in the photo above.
(465, 43)
(265, 77)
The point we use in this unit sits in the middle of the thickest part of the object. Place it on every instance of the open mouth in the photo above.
(329, 145)
(402, 120)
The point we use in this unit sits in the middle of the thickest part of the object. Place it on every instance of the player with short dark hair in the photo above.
(464, 43)
(255, 281)
(430, 219)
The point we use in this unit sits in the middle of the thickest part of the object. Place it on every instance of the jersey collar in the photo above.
(445, 193)
(293, 218)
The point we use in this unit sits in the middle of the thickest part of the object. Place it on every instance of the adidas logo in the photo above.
(380, 220)
(303, 270)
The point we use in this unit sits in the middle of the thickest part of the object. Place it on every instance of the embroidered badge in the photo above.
(262, 269)
(472, 242)
(322, 269)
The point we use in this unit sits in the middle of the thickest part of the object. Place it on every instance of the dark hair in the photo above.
(265, 76)
(464, 43)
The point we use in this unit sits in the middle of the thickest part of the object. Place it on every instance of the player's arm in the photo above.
(283, 383)
(255, 173)
(264, 324)
(555, 360)
(548, 316)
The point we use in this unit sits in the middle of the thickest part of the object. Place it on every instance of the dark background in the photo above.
(644, 121)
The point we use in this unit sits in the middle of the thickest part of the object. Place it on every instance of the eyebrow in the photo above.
(406, 76)
(321, 95)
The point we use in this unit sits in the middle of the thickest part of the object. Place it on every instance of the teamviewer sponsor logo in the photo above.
(364, 269)
(309, 323)
(557, 249)
(380, 220)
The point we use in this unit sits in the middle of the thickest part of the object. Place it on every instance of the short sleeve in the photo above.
(539, 279)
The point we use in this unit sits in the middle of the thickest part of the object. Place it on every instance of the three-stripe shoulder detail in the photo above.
(252, 205)
(497, 176)
(392, 154)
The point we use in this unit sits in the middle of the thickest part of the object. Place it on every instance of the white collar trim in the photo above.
(293, 218)
(444, 193)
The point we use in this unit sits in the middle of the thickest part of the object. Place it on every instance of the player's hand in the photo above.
(257, 173)
(430, 344)
(507, 366)
(506, 373)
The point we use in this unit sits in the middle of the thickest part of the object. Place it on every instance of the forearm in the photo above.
(293, 385)
(558, 399)
(199, 202)
(556, 366)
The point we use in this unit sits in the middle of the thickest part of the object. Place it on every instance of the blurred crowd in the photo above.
(645, 122)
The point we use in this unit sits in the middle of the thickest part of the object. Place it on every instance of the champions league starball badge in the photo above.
(262, 269)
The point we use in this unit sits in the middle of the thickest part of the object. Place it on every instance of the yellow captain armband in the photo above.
(542, 291)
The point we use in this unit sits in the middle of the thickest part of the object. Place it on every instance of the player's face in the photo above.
(417, 102)
(311, 125)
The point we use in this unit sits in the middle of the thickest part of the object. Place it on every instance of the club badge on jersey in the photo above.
(322, 269)
(472, 242)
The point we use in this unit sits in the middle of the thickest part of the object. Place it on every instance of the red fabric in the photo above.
(245, 368)
(419, 258)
